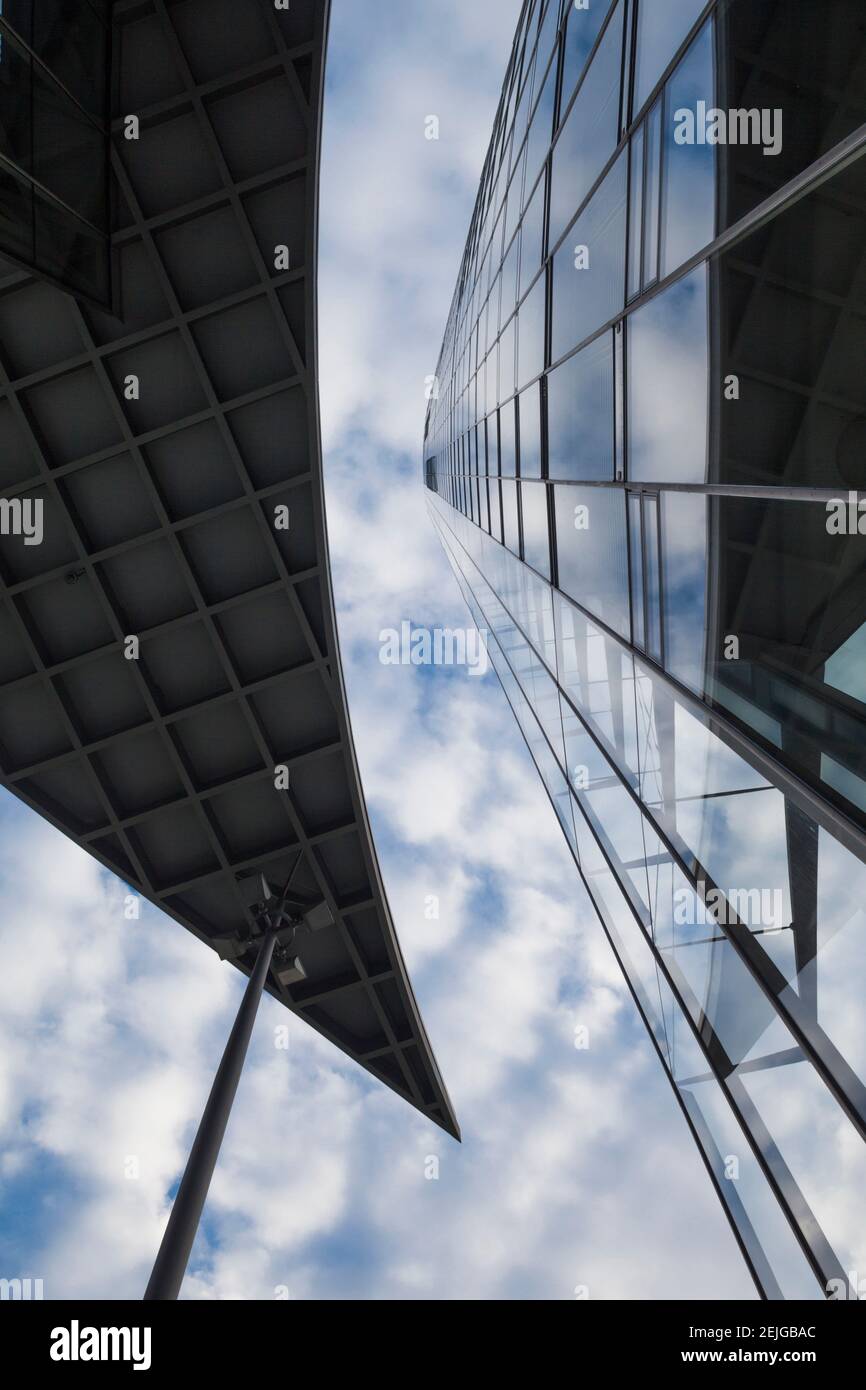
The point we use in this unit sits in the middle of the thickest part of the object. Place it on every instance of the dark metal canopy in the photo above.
(161, 440)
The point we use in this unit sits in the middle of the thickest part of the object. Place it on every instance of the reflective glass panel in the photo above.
(582, 28)
(662, 27)
(507, 441)
(580, 416)
(495, 509)
(781, 584)
(541, 129)
(530, 432)
(635, 231)
(667, 384)
(536, 541)
(818, 50)
(510, 525)
(688, 220)
(592, 551)
(507, 346)
(792, 330)
(530, 332)
(532, 237)
(589, 267)
(684, 584)
(548, 31)
(589, 134)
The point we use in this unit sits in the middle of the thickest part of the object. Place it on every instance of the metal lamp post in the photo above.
(280, 927)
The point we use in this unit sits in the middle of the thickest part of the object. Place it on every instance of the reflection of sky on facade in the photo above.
(825, 1155)
(738, 599)
(561, 1147)
(689, 219)
(734, 825)
(663, 26)
(668, 385)
(588, 133)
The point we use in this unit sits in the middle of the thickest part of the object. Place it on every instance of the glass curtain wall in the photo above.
(646, 458)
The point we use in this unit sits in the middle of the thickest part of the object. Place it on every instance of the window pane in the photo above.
(493, 306)
(536, 541)
(515, 197)
(509, 281)
(589, 267)
(530, 432)
(589, 135)
(521, 115)
(549, 26)
(653, 596)
(791, 590)
(662, 27)
(484, 503)
(580, 414)
(635, 545)
(506, 360)
(651, 210)
(592, 551)
(684, 574)
(493, 444)
(510, 527)
(482, 448)
(541, 130)
(507, 446)
(635, 234)
(530, 333)
(689, 179)
(532, 237)
(806, 39)
(491, 374)
(581, 31)
(667, 384)
(495, 510)
(792, 307)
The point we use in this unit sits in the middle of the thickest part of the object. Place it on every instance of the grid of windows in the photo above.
(674, 202)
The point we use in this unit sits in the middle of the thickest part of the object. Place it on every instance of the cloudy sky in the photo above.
(576, 1168)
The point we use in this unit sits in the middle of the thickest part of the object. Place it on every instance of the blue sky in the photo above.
(576, 1167)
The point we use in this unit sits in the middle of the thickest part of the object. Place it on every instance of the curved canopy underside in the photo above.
(174, 445)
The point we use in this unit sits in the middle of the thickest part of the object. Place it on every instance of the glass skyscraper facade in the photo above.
(645, 451)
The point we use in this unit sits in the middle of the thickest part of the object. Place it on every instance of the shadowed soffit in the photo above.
(160, 505)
